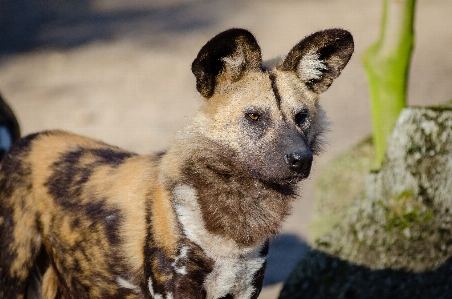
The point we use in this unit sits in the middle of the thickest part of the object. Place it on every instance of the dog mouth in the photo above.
(291, 181)
(283, 181)
(294, 179)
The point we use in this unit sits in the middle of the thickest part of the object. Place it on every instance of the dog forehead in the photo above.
(253, 90)
(275, 93)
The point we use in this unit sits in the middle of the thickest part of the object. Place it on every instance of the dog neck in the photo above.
(228, 201)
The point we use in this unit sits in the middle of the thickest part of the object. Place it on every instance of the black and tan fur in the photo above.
(83, 219)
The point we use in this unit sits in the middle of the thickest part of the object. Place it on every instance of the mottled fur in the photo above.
(83, 219)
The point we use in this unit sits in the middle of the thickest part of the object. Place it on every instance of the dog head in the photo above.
(269, 120)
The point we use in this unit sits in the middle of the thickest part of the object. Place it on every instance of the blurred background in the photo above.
(120, 71)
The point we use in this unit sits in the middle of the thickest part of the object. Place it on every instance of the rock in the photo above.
(418, 158)
(332, 199)
(401, 224)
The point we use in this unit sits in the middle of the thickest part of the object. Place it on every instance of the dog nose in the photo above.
(299, 161)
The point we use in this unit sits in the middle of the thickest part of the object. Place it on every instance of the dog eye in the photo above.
(253, 116)
(302, 119)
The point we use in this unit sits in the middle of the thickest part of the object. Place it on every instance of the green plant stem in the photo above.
(387, 66)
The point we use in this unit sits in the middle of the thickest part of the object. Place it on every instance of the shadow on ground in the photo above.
(25, 24)
(322, 276)
(285, 251)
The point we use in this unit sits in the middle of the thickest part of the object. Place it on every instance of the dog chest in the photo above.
(233, 276)
(235, 268)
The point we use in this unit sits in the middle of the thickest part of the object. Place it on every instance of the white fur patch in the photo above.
(151, 290)
(311, 67)
(110, 217)
(233, 275)
(234, 64)
(183, 255)
(123, 283)
(234, 267)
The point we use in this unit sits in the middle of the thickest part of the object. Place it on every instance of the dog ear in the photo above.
(319, 58)
(229, 53)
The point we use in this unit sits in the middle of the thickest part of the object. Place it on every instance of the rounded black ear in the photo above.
(231, 53)
(319, 58)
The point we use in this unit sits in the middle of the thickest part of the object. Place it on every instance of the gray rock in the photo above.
(418, 158)
(401, 224)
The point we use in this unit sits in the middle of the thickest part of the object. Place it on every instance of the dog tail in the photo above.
(9, 127)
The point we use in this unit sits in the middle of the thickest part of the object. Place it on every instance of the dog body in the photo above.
(83, 219)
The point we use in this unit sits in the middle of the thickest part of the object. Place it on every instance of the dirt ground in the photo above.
(120, 71)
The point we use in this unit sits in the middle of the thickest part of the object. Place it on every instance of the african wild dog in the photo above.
(83, 219)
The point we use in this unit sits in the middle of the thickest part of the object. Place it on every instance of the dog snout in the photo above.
(299, 161)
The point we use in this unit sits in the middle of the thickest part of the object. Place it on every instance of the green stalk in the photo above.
(387, 65)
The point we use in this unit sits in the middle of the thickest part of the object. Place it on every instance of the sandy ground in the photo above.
(121, 73)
